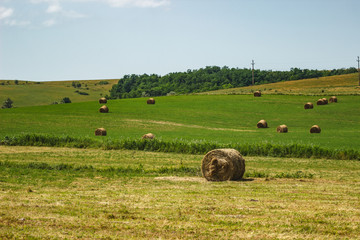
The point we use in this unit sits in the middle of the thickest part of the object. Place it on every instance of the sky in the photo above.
(49, 40)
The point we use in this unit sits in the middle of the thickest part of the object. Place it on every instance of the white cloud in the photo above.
(17, 23)
(138, 3)
(49, 23)
(54, 8)
(6, 12)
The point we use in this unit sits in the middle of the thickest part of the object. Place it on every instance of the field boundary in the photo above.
(181, 146)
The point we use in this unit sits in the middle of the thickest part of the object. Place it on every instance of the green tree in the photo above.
(8, 103)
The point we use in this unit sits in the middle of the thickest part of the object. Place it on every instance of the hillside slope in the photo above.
(44, 93)
(347, 84)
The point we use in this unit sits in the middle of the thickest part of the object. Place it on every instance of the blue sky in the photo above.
(45, 40)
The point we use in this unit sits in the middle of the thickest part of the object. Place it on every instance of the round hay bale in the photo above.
(315, 129)
(222, 165)
(104, 109)
(282, 129)
(308, 105)
(102, 100)
(148, 136)
(100, 132)
(320, 102)
(150, 101)
(333, 99)
(325, 100)
(262, 124)
(257, 94)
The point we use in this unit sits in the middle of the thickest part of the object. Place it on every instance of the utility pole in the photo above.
(358, 60)
(253, 63)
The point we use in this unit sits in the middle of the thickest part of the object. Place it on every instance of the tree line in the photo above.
(208, 79)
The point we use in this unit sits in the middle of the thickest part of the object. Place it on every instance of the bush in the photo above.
(65, 100)
(7, 104)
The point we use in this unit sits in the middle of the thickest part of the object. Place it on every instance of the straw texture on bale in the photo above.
(103, 100)
(315, 129)
(325, 100)
(104, 109)
(320, 102)
(100, 132)
(262, 124)
(148, 136)
(333, 99)
(282, 129)
(150, 101)
(308, 105)
(257, 94)
(223, 165)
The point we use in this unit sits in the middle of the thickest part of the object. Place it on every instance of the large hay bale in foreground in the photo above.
(315, 129)
(150, 101)
(262, 124)
(325, 100)
(333, 99)
(320, 102)
(104, 109)
(148, 136)
(102, 100)
(223, 165)
(100, 132)
(282, 129)
(257, 94)
(308, 105)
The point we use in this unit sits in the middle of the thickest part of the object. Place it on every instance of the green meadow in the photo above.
(217, 118)
(104, 187)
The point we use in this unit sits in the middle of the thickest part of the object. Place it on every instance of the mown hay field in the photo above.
(216, 118)
(62, 193)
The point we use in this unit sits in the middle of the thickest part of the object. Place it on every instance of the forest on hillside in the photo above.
(208, 79)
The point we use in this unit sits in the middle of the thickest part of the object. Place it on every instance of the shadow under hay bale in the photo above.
(100, 132)
(282, 129)
(150, 101)
(262, 124)
(104, 109)
(320, 102)
(148, 136)
(333, 99)
(103, 100)
(309, 105)
(257, 94)
(315, 129)
(223, 165)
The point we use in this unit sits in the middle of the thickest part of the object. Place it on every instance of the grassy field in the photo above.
(219, 118)
(62, 193)
(334, 85)
(45, 93)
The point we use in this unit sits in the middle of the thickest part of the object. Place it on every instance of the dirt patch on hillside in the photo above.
(187, 125)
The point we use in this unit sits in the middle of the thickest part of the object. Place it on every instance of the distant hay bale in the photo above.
(315, 129)
(320, 102)
(148, 136)
(104, 109)
(325, 100)
(150, 101)
(223, 165)
(333, 99)
(308, 105)
(262, 124)
(257, 94)
(282, 129)
(100, 132)
(102, 100)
